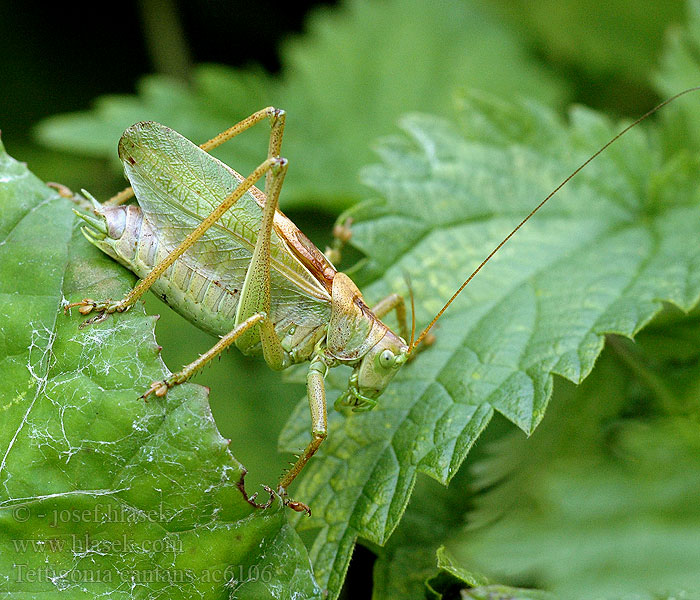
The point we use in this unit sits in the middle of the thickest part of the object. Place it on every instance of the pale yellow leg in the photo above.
(397, 303)
(160, 388)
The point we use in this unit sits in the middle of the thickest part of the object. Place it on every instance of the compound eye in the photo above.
(386, 359)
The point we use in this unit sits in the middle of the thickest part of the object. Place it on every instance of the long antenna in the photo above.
(413, 308)
(540, 205)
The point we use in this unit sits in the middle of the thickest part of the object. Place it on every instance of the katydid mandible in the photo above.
(252, 278)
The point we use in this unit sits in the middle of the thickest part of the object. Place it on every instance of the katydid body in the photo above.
(250, 276)
(217, 250)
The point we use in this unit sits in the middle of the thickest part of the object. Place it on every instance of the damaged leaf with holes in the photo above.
(101, 493)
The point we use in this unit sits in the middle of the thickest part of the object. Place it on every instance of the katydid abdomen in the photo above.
(203, 296)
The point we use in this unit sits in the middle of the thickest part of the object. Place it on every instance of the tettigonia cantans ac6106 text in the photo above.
(217, 250)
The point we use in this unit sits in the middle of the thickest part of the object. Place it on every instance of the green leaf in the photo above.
(620, 45)
(453, 580)
(680, 69)
(593, 484)
(504, 592)
(599, 503)
(601, 258)
(408, 559)
(343, 83)
(102, 493)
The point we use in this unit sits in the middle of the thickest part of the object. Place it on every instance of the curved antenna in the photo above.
(407, 278)
(425, 332)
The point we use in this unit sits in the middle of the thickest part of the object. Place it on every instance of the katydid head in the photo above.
(373, 372)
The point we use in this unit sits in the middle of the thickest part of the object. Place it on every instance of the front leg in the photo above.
(316, 394)
(397, 303)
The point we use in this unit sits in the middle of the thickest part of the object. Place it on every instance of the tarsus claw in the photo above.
(298, 506)
(85, 306)
(158, 388)
(293, 504)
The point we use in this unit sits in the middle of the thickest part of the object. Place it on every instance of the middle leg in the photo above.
(316, 394)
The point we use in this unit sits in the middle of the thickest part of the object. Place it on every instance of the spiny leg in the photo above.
(255, 299)
(316, 394)
(160, 388)
(269, 111)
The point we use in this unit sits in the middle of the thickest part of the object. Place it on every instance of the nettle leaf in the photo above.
(583, 486)
(408, 559)
(344, 82)
(453, 581)
(599, 503)
(680, 69)
(622, 41)
(600, 258)
(605, 481)
(102, 493)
